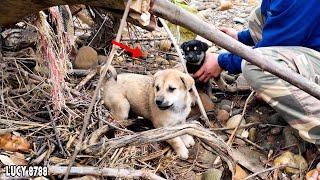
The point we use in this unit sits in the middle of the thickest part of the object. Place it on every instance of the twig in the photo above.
(114, 172)
(56, 133)
(84, 81)
(162, 134)
(144, 39)
(249, 142)
(266, 170)
(194, 89)
(103, 74)
(240, 127)
(230, 140)
(104, 21)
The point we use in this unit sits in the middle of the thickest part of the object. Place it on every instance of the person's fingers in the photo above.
(199, 73)
(223, 29)
(202, 78)
(207, 79)
(314, 176)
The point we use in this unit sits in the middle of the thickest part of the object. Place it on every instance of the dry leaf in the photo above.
(13, 143)
(18, 159)
(240, 173)
(292, 160)
(6, 160)
(313, 174)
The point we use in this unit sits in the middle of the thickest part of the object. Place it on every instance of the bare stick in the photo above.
(165, 133)
(194, 89)
(103, 74)
(230, 140)
(56, 133)
(266, 170)
(113, 172)
(84, 81)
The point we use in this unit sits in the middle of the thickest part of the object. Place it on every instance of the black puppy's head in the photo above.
(194, 51)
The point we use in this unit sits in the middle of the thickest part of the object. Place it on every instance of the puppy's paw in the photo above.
(182, 152)
(188, 140)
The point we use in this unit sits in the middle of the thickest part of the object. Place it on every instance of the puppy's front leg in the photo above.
(188, 140)
(179, 147)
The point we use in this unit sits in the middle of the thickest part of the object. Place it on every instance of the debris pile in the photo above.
(46, 91)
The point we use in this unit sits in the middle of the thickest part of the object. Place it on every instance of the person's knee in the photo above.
(250, 73)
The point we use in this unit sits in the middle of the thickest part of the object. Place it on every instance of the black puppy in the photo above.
(194, 53)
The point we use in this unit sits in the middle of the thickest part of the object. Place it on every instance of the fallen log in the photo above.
(13, 11)
(181, 17)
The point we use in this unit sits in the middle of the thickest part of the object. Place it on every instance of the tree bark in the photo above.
(13, 11)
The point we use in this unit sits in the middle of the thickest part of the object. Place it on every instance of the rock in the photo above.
(236, 111)
(222, 115)
(292, 160)
(275, 130)
(120, 59)
(276, 119)
(145, 54)
(86, 58)
(252, 134)
(253, 118)
(102, 59)
(165, 45)
(161, 61)
(233, 123)
(225, 102)
(225, 5)
(226, 108)
(291, 140)
(212, 174)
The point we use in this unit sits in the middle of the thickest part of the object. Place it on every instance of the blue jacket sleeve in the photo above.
(245, 38)
(230, 62)
(288, 23)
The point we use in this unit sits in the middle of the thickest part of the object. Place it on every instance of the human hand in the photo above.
(230, 31)
(209, 69)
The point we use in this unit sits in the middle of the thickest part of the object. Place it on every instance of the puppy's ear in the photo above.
(187, 80)
(157, 74)
(204, 46)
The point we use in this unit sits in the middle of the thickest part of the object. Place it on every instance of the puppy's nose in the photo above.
(159, 101)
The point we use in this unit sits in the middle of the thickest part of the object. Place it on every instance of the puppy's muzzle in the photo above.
(192, 58)
(162, 104)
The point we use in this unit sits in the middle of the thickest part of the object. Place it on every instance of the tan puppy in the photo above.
(164, 99)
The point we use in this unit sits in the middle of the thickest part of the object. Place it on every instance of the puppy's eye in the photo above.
(171, 89)
(157, 88)
(195, 48)
(190, 90)
(188, 48)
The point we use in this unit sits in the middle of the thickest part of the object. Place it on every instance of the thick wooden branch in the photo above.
(113, 172)
(13, 11)
(176, 15)
(162, 134)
